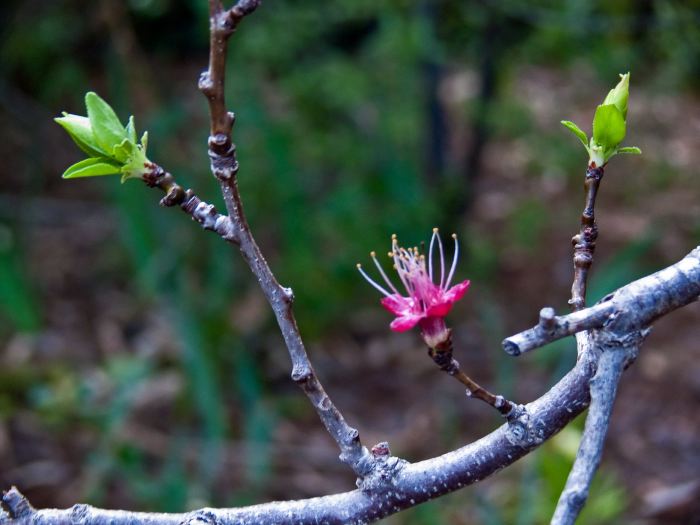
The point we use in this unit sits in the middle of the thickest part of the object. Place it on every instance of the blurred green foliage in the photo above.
(341, 143)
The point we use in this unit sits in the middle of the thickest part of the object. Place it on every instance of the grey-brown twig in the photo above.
(200, 211)
(616, 353)
(442, 356)
(672, 287)
(584, 240)
(224, 165)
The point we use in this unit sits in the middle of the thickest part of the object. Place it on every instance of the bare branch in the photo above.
(584, 241)
(442, 356)
(616, 354)
(200, 211)
(638, 304)
(394, 485)
(224, 165)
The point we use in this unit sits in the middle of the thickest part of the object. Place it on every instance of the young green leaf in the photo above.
(633, 150)
(131, 130)
(106, 127)
(80, 131)
(609, 126)
(619, 95)
(136, 168)
(92, 167)
(124, 150)
(576, 131)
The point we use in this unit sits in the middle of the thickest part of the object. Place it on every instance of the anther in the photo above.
(454, 236)
(372, 254)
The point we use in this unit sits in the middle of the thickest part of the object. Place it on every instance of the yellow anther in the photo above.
(373, 254)
(390, 254)
(393, 237)
(454, 235)
(359, 266)
(435, 230)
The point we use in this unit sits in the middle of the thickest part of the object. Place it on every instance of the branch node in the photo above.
(79, 513)
(205, 84)
(16, 504)
(383, 472)
(222, 157)
(523, 430)
(241, 9)
(548, 319)
(287, 294)
(200, 517)
(301, 373)
(353, 435)
(381, 449)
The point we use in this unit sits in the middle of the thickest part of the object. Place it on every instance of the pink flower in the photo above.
(427, 302)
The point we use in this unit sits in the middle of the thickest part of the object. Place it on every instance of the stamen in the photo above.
(442, 262)
(371, 281)
(399, 264)
(381, 271)
(454, 262)
(430, 254)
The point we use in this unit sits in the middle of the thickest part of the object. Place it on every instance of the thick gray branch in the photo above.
(635, 306)
(395, 486)
(616, 353)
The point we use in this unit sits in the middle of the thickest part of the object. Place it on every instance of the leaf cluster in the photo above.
(609, 126)
(112, 148)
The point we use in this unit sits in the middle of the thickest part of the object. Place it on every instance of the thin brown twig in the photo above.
(175, 195)
(442, 356)
(584, 241)
(224, 165)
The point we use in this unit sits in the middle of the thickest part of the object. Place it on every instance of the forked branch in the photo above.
(224, 165)
(394, 487)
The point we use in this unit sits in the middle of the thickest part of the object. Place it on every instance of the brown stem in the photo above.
(442, 355)
(224, 165)
(200, 211)
(584, 241)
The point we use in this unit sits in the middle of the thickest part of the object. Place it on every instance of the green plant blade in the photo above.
(576, 131)
(131, 130)
(79, 129)
(632, 150)
(609, 126)
(619, 95)
(106, 127)
(124, 150)
(92, 167)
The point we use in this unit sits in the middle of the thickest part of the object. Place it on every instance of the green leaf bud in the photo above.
(619, 95)
(92, 167)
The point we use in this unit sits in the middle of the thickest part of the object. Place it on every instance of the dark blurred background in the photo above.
(140, 366)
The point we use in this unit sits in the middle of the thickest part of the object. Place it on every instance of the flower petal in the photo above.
(397, 304)
(455, 293)
(440, 309)
(405, 322)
